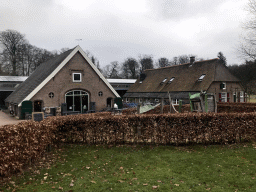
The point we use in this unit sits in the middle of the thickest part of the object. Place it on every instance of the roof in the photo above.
(127, 81)
(185, 78)
(45, 72)
(13, 78)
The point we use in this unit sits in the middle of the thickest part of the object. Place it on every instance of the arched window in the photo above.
(77, 100)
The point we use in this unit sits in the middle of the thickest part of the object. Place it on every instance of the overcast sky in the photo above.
(113, 30)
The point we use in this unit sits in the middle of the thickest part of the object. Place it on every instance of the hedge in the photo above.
(27, 141)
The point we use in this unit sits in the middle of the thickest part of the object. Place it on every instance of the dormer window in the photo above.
(223, 85)
(201, 77)
(77, 77)
(171, 79)
(164, 81)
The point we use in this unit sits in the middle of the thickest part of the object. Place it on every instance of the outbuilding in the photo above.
(178, 81)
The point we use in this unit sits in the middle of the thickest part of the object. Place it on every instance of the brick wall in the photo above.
(231, 87)
(63, 82)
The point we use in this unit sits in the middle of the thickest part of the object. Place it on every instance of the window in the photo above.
(51, 95)
(157, 100)
(175, 101)
(223, 85)
(241, 96)
(164, 81)
(201, 77)
(100, 93)
(77, 77)
(77, 100)
(127, 100)
(223, 97)
(171, 79)
(140, 100)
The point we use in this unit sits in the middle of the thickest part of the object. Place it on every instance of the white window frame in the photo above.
(127, 100)
(140, 100)
(224, 85)
(165, 79)
(224, 99)
(157, 100)
(171, 79)
(241, 96)
(73, 76)
(201, 77)
(175, 101)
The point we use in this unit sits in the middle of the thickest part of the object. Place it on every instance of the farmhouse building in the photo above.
(210, 76)
(7, 85)
(69, 78)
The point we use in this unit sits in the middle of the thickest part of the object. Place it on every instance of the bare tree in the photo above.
(247, 48)
(130, 68)
(11, 41)
(163, 62)
(146, 62)
(111, 70)
(222, 58)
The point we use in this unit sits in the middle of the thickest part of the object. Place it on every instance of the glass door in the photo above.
(77, 100)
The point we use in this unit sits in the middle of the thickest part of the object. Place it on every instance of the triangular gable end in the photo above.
(63, 63)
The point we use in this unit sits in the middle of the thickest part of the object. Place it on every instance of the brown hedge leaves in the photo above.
(26, 142)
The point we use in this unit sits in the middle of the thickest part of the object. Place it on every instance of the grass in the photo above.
(252, 99)
(144, 168)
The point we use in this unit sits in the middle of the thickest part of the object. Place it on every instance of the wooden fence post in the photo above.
(162, 105)
(138, 109)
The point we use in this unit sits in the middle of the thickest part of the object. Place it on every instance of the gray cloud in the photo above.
(177, 9)
(114, 30)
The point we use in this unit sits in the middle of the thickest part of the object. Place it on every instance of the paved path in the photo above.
(6, 119)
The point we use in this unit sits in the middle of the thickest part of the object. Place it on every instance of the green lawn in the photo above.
(252, 99)
(145, 168)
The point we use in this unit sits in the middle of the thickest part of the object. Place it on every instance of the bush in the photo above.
(27, 141)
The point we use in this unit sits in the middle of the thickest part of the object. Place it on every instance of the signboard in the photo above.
(37, 116)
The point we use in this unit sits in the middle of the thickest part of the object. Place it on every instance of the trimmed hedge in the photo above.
(27, 141)
(236, 107)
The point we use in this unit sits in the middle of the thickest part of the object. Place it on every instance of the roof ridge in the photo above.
(182, 64)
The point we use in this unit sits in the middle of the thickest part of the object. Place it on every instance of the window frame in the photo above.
(175, 101)
(224, 85)
(162, 82)
(241, 96)
(73, 77)
(171, 80)
(224, 98)
(201, 77)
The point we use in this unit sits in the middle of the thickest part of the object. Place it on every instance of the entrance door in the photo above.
(77, 100)
(109, 102)
(37, 106)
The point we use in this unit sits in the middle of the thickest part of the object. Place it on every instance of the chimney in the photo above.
(192, 59)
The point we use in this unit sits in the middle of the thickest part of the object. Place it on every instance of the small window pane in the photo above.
(51, 94)
(70, 93)
(201, 78)
(77, 92)
(77, 77)
(171, 79)
(100, 93)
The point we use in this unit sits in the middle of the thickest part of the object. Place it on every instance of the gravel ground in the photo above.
(6, 119)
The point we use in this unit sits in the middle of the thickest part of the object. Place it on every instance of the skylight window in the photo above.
(164, 81)
(201, 78)
(171, 79)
